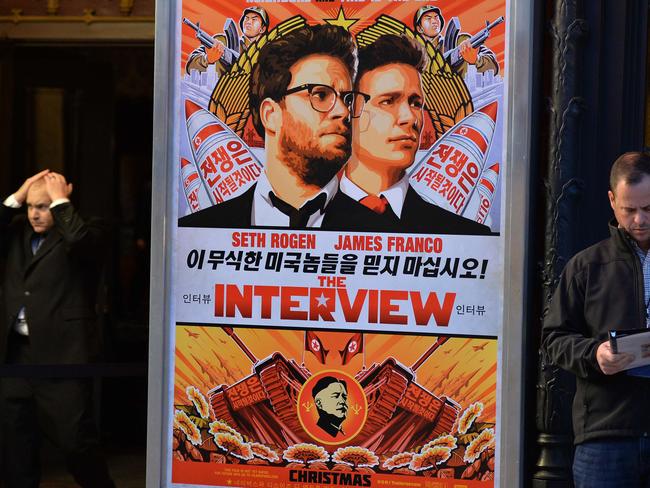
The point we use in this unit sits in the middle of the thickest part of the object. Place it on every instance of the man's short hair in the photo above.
(391, 49)
(324, 382)
(630, 167)
(270, 76)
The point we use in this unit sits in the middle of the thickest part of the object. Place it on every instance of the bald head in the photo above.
(38, 185)
(38, 207)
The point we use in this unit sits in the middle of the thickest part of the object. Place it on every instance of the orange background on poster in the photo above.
(471, 13)
(463, 369)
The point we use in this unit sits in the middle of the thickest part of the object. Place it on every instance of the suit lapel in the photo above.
(237, 212)
(247, 202)
(339, 208)
(345, 213)
(412, 209)
(27, 242)
(48, 244)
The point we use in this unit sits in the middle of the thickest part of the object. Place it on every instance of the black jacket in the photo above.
(601, 288)
(57, 286)
(420, 216)
(346, 214)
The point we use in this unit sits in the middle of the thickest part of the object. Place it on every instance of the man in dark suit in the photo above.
(386, 137)
(50, 283)
(301, 102)
(331, 399)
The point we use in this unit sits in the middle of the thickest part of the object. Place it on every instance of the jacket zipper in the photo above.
(638, 275)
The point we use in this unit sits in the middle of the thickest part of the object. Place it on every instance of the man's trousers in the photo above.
(58, 408)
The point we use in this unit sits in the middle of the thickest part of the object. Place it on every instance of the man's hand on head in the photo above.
(609, 362)
(21, 194)
(57, 187)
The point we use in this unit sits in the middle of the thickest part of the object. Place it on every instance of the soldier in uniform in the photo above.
(429, 23)
(254, 23)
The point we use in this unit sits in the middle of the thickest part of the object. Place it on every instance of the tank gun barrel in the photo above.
(240, 343)
(439, 342)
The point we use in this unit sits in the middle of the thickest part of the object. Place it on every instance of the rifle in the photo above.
(453, 56)
(230, 54)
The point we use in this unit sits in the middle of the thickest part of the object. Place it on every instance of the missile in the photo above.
(226, 165)
(195, 193)
(481, 202)
(448, 174)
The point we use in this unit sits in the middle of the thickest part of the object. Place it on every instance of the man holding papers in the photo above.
(607, 287)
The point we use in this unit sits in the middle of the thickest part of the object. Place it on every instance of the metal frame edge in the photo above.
(158, 466)
(519, 47)
(518, 144)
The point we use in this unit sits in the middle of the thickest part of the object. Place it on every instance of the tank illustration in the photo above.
(262, 405)
(401, 413)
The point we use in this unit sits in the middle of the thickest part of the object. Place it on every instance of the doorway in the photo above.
(86, 111)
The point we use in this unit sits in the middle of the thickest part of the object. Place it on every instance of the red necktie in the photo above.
(375, 203)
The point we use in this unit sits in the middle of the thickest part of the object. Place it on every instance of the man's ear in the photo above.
(318, 403)
(270, 115)
(612, 200)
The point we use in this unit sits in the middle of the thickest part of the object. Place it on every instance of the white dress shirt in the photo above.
(395, 195)
(11, 202)
(264, 213)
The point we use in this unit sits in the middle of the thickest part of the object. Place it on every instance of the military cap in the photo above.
(423, 10)
(255, 10)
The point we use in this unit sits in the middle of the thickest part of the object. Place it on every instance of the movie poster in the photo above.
(339, 252)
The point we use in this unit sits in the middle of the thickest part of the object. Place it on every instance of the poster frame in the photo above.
(519, 45)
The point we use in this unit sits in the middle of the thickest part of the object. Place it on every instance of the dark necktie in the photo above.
(375, 203)
(37, 240)
(298, 218)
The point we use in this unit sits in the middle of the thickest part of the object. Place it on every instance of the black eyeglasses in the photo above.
(323, 98)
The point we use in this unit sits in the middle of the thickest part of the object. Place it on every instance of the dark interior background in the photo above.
(86, 111)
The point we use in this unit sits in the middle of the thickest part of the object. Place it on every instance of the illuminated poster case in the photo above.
(338, 297)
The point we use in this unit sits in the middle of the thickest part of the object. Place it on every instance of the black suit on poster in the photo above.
(346, 214)
(342, 213)
(57, 286)
(420, 216)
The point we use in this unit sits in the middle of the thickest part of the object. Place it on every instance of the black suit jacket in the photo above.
(342, 213)
(57, 285)
(420, 216)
